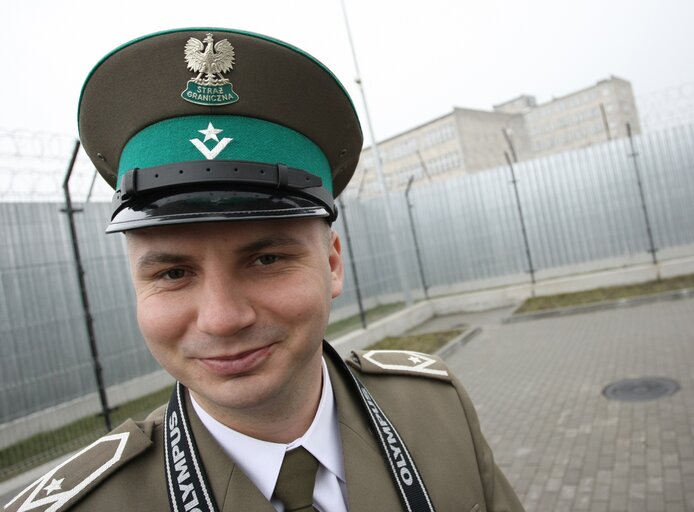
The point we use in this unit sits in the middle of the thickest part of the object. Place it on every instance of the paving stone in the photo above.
(620, 485)
(674, 492)
(675, 506)
(548, 500)
(553, 485)
(567, 492)
(572, 477)
(563, 506)
(601, 493)
(637, 475)
(655, 484)
(598, 506)
(618, 502)
(638, 506)
(655, 502)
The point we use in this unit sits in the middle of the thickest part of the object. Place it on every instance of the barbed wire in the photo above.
(33, 167)
(44, 145)
(667, 107)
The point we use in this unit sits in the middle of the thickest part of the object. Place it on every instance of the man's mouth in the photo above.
(237, 364)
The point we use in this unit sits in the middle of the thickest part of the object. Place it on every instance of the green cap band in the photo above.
(223, 137)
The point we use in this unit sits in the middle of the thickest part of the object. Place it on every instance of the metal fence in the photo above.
(581, 206)
(45, 359)
(578, 207)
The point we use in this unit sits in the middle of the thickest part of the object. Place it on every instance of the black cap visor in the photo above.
(217, 191)
(190, 207)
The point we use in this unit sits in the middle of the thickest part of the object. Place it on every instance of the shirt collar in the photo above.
(261, 460)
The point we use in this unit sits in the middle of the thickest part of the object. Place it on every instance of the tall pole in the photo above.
(605, 124)
(423, 164)
(397, 255)
(649, 232)
(510, 144)
(88, 319)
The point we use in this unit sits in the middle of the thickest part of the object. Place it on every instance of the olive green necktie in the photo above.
(296, 481)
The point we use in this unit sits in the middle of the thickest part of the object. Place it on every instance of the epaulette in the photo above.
(64, 485)
(399, 362)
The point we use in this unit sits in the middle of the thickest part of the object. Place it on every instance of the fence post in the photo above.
(89, 321)
(414, 238)
(531, 269)
(634, 154)
(353, 265)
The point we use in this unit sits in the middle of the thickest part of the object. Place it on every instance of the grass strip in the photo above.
(352, 323)
(428, 343)
(46, 446)
(606, 294)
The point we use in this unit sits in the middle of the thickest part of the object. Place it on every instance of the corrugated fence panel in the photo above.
(122, 351)
(666, 160)
(44, 361)
(45, 358)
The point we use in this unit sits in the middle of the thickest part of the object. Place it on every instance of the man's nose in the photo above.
(223, 308)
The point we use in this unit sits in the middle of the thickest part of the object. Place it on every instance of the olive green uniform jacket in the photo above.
(124, 471)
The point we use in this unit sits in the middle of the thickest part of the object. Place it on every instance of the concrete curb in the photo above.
(394, 324)
(686, 293)
(457, 343)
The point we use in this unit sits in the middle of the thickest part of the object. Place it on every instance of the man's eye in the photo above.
(174, 273)
(267, 259)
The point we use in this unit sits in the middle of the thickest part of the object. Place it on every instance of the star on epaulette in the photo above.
(64, 485)
(401, 362)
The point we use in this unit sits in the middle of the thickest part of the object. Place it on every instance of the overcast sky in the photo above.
(418, 59)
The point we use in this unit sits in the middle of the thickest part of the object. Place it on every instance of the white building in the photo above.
(467, 140)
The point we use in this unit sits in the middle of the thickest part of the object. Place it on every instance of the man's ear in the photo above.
(337, 269)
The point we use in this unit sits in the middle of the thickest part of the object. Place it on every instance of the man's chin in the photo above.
(241, 395)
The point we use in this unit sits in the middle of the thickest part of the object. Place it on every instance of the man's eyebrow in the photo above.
(271, 242)
(154, 258)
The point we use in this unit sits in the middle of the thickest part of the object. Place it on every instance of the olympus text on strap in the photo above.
(189, 489)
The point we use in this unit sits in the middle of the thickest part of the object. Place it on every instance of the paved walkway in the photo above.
(537, 387)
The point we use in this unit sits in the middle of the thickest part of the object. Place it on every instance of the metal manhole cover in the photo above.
(641, 389)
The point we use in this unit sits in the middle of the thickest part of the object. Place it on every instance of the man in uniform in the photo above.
(226, 150)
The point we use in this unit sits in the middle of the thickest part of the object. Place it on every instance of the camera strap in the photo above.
(188, 486)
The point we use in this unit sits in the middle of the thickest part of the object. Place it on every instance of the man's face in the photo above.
(237, 311)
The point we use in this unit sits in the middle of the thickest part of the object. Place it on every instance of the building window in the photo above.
(437, 135)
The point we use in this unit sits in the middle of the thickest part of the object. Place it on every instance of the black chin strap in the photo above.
(221, 175)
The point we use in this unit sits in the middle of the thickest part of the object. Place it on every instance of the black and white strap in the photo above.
(188, 486)
(413, 493)
(189, 490)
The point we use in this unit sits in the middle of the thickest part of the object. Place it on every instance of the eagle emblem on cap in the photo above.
(210, 61)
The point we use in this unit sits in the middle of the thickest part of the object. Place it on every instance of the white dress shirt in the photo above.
(261, 460)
